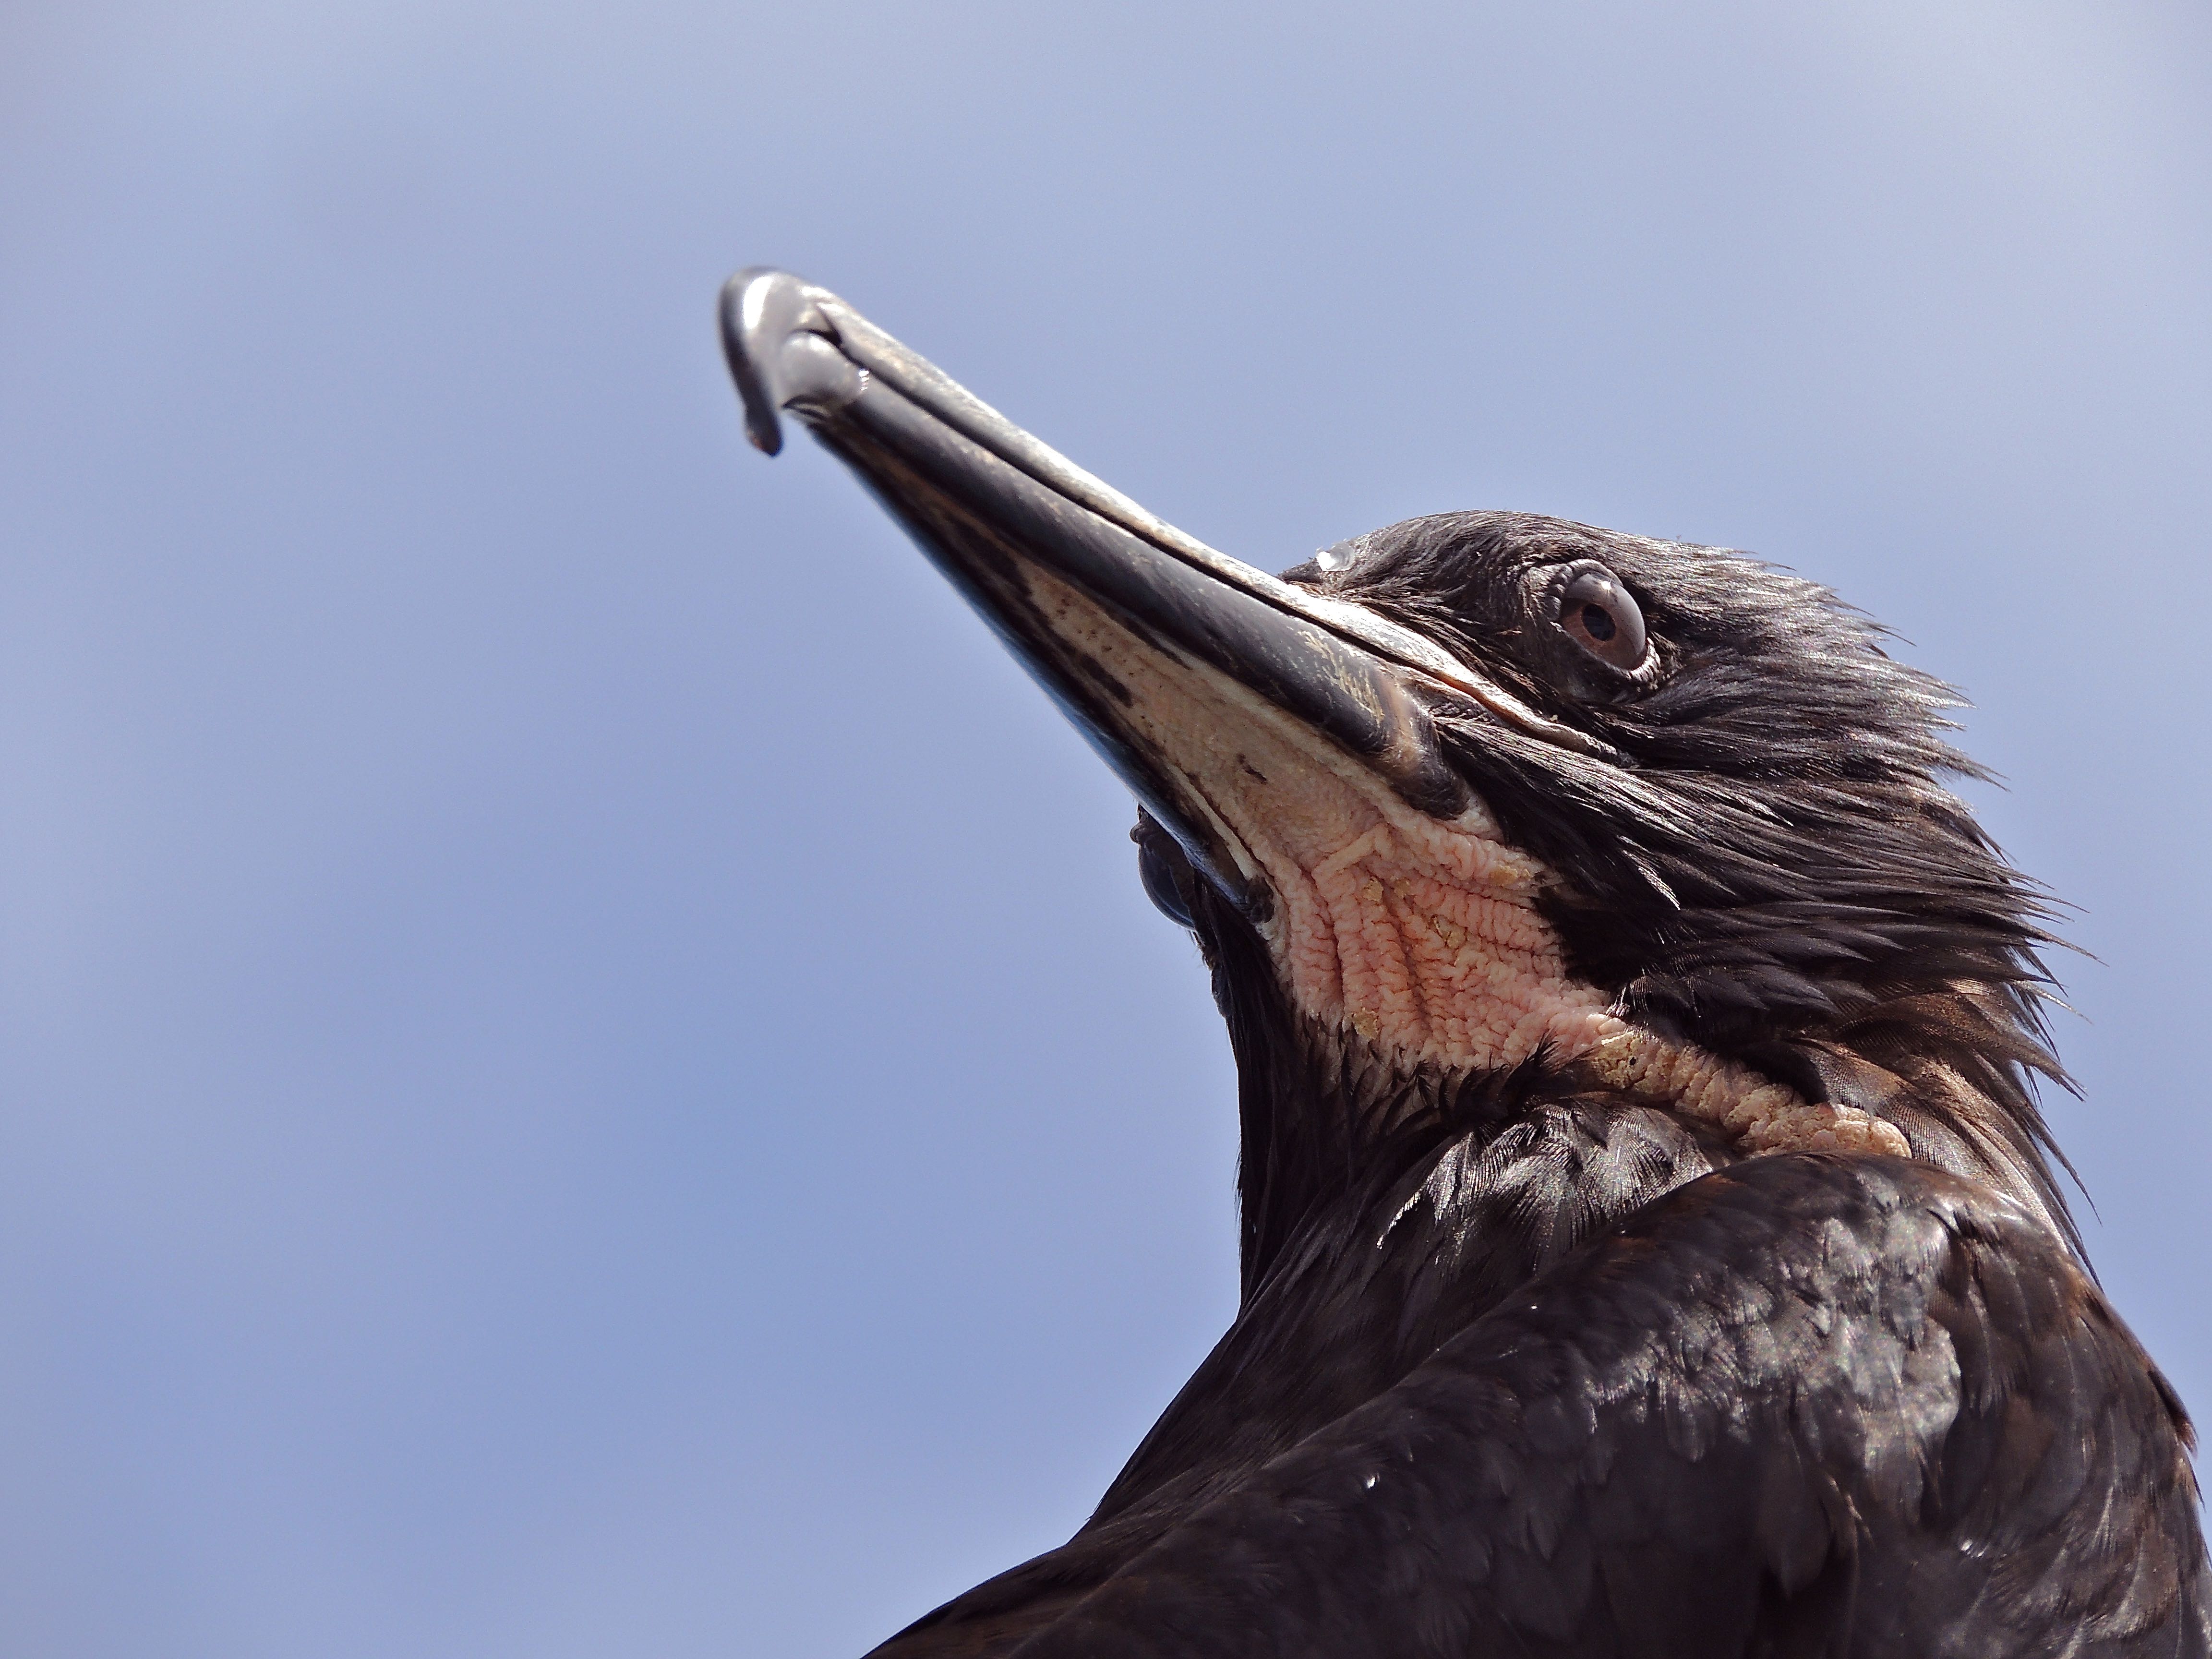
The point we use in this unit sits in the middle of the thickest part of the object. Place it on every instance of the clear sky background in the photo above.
(583, 1069)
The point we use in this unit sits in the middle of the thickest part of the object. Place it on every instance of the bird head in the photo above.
(1486, 798)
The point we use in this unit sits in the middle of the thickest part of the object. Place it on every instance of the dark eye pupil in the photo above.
(1598, 621)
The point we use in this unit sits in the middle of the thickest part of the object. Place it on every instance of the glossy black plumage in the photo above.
(1806, 1404)
(1527, 1361)
(1802, 1405)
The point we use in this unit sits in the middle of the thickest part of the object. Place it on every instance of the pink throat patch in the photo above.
(1425, 938)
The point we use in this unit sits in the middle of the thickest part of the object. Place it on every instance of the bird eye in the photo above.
(1597, 615)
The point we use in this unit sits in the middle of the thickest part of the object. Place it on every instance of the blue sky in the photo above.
(583, 1069)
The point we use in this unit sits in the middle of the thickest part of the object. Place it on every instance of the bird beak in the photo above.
(1167, 654)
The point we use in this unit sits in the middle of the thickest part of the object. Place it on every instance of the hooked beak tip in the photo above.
(757, 309)
(782, 351)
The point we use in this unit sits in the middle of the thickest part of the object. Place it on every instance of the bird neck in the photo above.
(1329, 1120)
(1409, 980)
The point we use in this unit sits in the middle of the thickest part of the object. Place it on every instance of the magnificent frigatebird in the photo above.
(1649, 1244)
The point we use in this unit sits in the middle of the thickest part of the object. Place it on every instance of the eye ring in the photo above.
(1596, 612)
